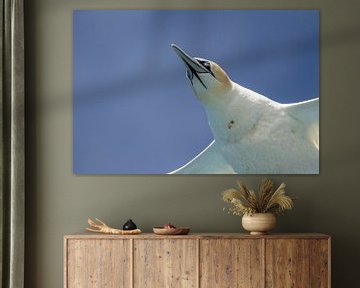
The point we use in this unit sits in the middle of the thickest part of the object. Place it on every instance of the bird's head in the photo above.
(208, 79)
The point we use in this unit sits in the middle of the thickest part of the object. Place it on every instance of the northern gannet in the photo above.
(252, 133)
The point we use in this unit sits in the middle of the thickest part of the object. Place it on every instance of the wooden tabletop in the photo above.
(89, 235)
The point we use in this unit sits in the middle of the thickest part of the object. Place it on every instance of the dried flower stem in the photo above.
(268, 200)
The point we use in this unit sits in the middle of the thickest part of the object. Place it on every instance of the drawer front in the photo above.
(231, 263)
(297, 263)
(165, 263)
(320, 263)
(98, 263)
(287, 263)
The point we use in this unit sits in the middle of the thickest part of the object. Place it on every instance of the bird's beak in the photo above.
(191, 63)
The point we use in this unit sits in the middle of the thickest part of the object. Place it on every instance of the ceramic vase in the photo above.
(259, 223)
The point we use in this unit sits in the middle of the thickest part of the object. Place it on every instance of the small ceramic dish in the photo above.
(171, 231)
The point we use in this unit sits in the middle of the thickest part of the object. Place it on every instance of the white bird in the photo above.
(252, 133)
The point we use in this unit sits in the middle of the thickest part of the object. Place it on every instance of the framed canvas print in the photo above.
(196, 92)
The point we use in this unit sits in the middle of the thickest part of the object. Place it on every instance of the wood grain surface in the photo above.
(231, 263)
(98, 263)
(320, 263)
(287, 263)
(165, 263)
(89, 235)
(197, 260)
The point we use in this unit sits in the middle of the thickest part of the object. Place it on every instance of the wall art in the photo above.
(196, 92)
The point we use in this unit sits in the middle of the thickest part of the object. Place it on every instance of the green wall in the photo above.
(58, 202)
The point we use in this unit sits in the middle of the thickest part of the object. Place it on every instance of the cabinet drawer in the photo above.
(231, 263)
(297, 263)
(165, 263)
(98, 263)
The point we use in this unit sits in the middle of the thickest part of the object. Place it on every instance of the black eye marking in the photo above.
(207, 65)
(231, 124)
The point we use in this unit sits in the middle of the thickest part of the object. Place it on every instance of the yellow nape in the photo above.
(220, 75)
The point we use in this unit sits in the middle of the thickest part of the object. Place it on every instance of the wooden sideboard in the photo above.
(197, 260)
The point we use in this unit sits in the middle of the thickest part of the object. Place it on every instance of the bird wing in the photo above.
(209, 161)
(308, 113)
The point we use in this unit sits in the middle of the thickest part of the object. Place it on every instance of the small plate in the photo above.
(171, 231)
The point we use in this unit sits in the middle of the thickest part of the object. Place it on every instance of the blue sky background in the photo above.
(134, 110)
